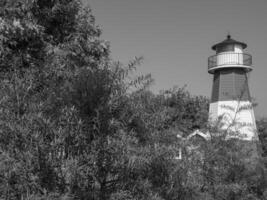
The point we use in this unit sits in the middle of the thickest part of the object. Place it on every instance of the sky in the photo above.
(175, 39)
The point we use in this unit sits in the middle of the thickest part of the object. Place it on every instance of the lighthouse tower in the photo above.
(231, 107)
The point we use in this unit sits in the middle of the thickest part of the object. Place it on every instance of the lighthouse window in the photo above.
(225, 48)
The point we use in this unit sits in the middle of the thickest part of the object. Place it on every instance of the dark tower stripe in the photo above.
(215, 87)
(230, 84)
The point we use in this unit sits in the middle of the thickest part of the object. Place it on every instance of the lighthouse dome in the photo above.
(227, 45)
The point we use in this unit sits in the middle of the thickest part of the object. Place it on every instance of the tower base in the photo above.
(235, 117)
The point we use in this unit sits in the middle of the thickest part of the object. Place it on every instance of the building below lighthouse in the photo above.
(231, 107)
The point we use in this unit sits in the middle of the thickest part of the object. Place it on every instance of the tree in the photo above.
(60, 92)
(39, 69)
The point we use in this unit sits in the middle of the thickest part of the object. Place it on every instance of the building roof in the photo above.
(228, 41)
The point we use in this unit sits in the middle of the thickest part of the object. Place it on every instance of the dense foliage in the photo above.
(76, 125)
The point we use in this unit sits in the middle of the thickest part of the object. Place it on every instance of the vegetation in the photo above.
(74, 124)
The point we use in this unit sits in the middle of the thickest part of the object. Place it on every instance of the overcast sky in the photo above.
(175, 38)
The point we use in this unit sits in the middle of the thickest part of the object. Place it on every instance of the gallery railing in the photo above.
(229, 58)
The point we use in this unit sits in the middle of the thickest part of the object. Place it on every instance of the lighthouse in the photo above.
(231, 107)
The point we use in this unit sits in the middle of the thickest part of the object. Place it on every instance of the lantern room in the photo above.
(229, 54)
